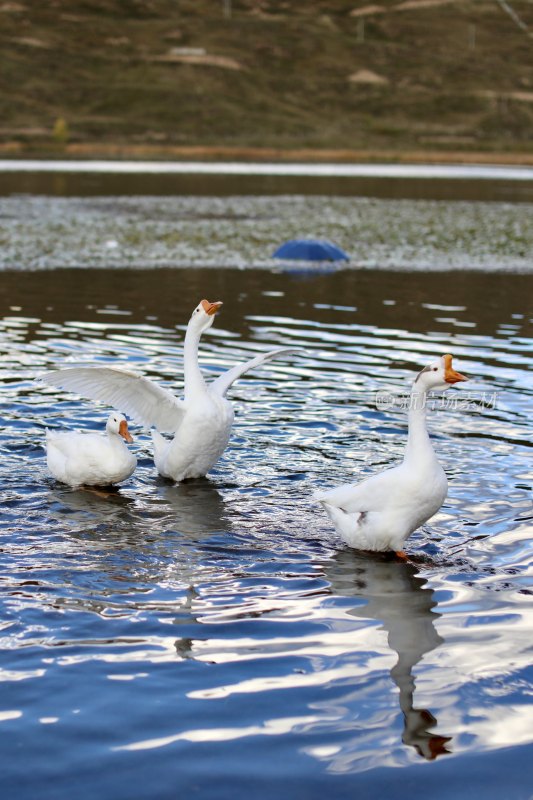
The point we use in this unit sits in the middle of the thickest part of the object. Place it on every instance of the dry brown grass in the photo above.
(457, 77)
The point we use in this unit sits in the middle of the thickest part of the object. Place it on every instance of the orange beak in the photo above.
(450, 375)
(124, 432)
(211, 308)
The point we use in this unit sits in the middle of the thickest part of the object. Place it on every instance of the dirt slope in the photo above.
(417, 75)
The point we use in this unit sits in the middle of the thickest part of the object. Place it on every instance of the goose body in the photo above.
(381, 512)
(91, 459)
(200, 423)
(199, 441)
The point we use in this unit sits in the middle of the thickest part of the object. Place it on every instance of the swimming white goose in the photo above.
(91, 459)
(200, 422)
(382, 511)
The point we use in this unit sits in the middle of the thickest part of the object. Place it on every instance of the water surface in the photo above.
(217, 638)
(219, 179)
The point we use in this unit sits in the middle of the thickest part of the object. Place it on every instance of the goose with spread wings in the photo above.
(200, 422)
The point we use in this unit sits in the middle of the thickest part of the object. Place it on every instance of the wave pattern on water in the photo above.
(199, 634)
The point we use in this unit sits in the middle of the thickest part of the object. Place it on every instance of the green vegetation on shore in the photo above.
(89, 77)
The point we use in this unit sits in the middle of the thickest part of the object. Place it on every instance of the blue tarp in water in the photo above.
(310, 250)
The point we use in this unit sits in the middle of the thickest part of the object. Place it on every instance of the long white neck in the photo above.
(419, 447)
(194, 381)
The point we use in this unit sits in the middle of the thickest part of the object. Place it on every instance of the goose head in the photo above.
(117, 424)
(203, 316)
(438, 376)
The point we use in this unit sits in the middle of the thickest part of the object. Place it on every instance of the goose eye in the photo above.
(435, 369)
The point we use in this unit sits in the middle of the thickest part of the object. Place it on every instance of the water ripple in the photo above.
(178, 622)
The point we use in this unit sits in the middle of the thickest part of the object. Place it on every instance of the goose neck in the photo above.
(418, 442)
(194, 381)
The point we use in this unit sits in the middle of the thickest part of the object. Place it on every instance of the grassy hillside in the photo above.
(429, 75)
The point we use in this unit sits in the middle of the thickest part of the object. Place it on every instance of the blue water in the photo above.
(216, 639)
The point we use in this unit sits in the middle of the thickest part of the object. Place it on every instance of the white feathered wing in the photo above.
(140, 398)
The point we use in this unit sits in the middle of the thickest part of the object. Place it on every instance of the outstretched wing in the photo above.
(221, 384)
(143, 400)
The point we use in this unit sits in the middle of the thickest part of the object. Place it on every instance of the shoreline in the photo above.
(17, 151)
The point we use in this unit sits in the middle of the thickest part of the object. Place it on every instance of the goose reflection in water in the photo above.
(105, 502)
(196, 506)
(397, 596)
(192, 507)
(164, 518)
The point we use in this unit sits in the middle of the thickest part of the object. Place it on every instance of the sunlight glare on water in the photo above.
(165, 639)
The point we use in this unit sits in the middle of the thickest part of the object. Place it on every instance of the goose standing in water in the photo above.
(200, 422)
(381, 512)
(90, 459)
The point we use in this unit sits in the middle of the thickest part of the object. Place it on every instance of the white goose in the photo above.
(200, 422)
(382, 511)
(91, 459)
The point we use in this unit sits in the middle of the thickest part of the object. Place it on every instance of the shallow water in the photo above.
(217, 638)
(43, 232)
(159, 178)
